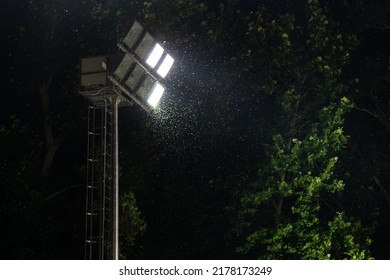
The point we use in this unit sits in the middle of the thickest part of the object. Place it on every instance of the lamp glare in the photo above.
(155, 55)
(165, 66)
(156, 95)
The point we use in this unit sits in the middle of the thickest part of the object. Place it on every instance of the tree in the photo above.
(294, 57)
(17, 172)
(287, 201)
(249, 149)
(304, 220)
(44, 47)
(50, 37)
(132, 224)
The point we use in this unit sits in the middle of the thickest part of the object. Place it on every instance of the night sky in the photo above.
(192, 173)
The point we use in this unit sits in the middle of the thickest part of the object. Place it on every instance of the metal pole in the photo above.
(115, 196)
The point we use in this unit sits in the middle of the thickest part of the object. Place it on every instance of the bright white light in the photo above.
(165, 66)
(155, 96)
(155, 55)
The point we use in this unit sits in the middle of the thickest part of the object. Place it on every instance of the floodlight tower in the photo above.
(131, 76)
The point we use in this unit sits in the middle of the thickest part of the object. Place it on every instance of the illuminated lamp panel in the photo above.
(155, 56)
(155, 94)
(165, 66)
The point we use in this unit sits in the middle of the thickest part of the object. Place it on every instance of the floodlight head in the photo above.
(144, 64)
(155, 94)
(155, 55)
(165, 66)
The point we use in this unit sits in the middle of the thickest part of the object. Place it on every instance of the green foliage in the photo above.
(257, 86)
(167, 15)
(294, 188)
(131, 223)
(297, 190)
(293, 59)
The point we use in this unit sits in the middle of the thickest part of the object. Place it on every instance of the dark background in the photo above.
(184, 164)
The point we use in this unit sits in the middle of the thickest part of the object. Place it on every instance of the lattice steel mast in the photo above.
(101, 212)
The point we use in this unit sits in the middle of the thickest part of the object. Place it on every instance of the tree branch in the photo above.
(365, 110)
(379, 184)
(50, 197)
